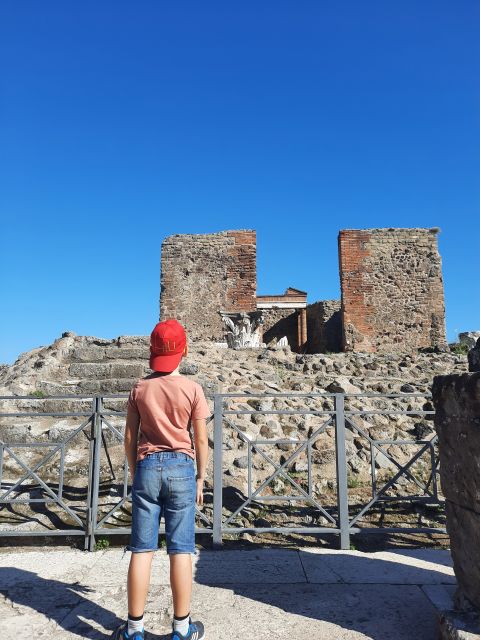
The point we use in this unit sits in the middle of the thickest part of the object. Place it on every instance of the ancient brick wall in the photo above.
(203, 274)
(392, 290)
(324, 327)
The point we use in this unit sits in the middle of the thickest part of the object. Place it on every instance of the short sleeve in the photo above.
(200, 410)
(132, 400)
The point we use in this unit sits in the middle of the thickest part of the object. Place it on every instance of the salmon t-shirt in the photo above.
(166, 405)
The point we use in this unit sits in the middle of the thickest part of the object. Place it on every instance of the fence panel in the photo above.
(284, 463)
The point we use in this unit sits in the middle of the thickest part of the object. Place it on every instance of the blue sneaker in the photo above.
(121, 633)
(196, 631)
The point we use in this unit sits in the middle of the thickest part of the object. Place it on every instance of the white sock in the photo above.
(135, 625)
(181, 625)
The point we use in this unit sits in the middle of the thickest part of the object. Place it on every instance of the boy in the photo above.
(161, 407)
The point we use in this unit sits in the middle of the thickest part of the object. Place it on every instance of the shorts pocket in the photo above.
(181, 491)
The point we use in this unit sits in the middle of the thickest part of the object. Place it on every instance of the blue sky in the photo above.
(122, 123)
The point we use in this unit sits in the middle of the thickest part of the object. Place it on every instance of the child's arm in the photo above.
(131, 438)
(201, 450)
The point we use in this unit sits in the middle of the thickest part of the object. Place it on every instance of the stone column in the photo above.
(457, 420)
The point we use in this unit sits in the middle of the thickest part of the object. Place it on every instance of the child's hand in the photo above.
(199, 491)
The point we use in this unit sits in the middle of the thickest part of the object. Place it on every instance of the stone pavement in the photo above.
(239, 594)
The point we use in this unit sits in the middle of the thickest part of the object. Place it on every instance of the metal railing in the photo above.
(91, 499)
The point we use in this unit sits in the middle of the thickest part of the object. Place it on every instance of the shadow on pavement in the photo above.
(360, 597)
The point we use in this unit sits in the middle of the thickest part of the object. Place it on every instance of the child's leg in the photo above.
(138, 582)
(181, 582)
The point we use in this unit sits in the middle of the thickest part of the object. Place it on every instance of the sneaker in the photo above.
(121, 633)
(196, 631)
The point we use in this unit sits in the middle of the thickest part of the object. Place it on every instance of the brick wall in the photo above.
(392, 290)
(203, 274)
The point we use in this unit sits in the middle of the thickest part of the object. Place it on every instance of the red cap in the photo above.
(167, 344)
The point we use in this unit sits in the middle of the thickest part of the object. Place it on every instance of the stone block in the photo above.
(110, 370)
(463, 527)
(88, 354)
(127, 353)
(107, 385)
(457, 421)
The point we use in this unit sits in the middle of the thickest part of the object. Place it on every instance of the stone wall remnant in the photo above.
(469, 338)
(392, 290)
(285, 316)
(324, 327)
(457, 404)
(474, 357)
(202, 274)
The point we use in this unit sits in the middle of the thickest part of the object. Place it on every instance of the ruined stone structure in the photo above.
(202, 275)
(324, 327)
(392, 290)
(457, 404)
(391, 285)
(285, 316)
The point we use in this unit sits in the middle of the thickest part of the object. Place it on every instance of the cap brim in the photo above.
(165, 364)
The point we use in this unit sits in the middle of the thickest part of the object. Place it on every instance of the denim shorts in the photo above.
(164, 485)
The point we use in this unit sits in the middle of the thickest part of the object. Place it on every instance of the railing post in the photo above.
(217, 470)
(341, 459)
(95, 471)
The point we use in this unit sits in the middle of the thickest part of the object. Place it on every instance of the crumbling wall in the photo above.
(392, 290)
(203, 274)
(279, 323)
(324, 327)
(457, 405)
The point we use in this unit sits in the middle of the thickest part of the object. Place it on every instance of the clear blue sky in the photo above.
(124, 122)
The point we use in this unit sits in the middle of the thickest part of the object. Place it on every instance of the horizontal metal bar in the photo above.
(280, 530)
(6, 533)
(41, 414)
(419, 442)
(414, 498)
(282, 499)
(30, 500)
(66, 397)
(34, 445)
(356, 530)
(386, 412)
(282, 412)
(323, 395)
(114, 413)
(233, 395)
(115, 531)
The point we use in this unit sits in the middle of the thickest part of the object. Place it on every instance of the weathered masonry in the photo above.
(392, 290)
(457, 404)
(391, 286)
(204, 274)
(285, 316)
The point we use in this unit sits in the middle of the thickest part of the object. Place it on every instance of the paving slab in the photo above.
(384, 567)
(27, 566)
(240, 595)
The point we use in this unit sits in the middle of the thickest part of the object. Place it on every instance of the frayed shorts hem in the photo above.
(137, 550)
(170, 552)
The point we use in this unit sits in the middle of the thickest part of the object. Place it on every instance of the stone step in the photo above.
(107, 385)
(110, 352)
(94, 370)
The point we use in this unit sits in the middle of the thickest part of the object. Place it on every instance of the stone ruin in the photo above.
(392, 296)
(457, 404)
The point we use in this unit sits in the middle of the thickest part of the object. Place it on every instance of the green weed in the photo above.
(101, 544)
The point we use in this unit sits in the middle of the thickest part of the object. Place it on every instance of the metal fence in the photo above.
(84, 490)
